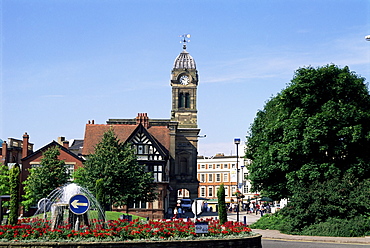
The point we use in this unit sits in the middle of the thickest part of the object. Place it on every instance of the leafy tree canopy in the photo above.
(48, 176)
(124, 180)
(316, 129)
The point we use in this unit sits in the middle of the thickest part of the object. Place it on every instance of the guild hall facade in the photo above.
(168, 147)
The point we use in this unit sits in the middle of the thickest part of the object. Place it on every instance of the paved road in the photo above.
(268, 243)
(243, 217)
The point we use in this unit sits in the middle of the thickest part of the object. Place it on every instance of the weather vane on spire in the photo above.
(185, 39)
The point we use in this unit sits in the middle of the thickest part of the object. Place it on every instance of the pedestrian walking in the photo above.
(251, 207)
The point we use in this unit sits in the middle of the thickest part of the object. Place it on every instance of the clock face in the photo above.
(184, 80)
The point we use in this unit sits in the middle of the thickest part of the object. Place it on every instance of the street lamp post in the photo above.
(237, 142)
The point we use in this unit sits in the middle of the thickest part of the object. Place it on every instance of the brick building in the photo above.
(221, 169)
(13, 151)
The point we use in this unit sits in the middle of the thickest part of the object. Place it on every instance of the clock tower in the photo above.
(184, 82)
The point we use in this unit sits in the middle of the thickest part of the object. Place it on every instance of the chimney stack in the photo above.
(4, 152)
(26, 138)
(66, 144)
(142, 118)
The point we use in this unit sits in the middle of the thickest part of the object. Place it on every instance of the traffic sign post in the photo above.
(79, 204)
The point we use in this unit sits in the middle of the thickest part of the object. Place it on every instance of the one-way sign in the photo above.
(79, 204)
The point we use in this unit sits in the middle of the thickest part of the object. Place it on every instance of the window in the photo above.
(157, 173)
(217, 188)
(226, 177)
(137, 204)
(245, 189)
(35, 165)
(225, 166)
(203, 166)
(210, 166)
(210, 177)
(233, 166)
(218, 166)
(184, 100)
(202, 178)
(187, 100)
(70, 169)
(233, 189)
(245, 176)
(226, 190)
(184, 165)
(210, 191)
(218, 177)
(140, 149)
(202, 191)
(181, 100)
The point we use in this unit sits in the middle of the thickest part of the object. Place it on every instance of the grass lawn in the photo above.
(110, 215)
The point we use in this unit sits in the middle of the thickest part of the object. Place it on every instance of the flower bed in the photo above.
(120, 230)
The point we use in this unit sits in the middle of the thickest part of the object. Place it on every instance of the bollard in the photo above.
(245, 220)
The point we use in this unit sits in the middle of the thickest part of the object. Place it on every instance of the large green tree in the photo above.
(51, 174)
(315, 130)
(122, 179)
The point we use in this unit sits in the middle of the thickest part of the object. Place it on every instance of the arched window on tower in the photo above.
(184, 166)
(187, 100)
(181, 100)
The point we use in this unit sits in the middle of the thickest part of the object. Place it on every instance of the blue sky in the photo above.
(64, 62)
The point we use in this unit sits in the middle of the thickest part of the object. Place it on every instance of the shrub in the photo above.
(356, 227)
(222, 211)
(333, 227)
(270, 221)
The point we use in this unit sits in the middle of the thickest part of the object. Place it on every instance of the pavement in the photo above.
(249, 219)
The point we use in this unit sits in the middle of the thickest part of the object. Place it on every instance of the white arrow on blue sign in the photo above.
(79, 204)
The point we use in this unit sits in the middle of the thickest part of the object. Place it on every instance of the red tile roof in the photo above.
(94, 134)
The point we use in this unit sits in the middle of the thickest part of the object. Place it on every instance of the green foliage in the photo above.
(222, 211)
(42, 180)
(310, 144)
(274, 221)
(316, 129)
(100, 194)
(344, 198)
(356, 227)
(4, 180)
(14, 182)
(78, 175)
(124, 180)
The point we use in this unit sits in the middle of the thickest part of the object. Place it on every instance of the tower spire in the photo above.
(185, 39)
